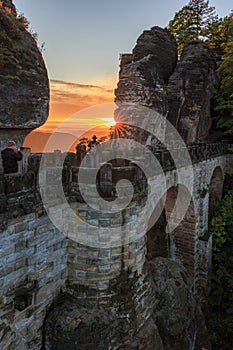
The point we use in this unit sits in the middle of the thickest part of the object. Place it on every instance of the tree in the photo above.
(218, 33)
(224, 95)
(181, 27)
(192, 22)
(220, 313)
(23, 20)
(203, 16)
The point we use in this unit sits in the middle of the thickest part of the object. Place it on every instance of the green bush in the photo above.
(220, 314)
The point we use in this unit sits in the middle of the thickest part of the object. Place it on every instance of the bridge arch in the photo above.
(215, 187)
(178, 244)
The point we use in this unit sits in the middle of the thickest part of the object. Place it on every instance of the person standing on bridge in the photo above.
(93, 143)
(10, 158)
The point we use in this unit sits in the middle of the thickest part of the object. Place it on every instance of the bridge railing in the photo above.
(198, 152)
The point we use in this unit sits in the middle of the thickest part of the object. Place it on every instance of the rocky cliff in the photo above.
(24, 86)
(144, 74)
(180, 91)
(189, 92)
(155, 311)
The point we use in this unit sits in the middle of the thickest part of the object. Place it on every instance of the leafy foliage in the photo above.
(218, 32)
(224, 95)
(220, 317)
(23, 20)
(192, 22)
(181, 28)
(198, 21)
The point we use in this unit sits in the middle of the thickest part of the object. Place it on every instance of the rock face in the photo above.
(190, 90)
(143, 73)
(161, 45)
(178, 317)
(182, 92)
(24, 86)
(116, 320)
(156, 311)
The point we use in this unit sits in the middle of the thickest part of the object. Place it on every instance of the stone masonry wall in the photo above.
(33, 261)
(37, 261)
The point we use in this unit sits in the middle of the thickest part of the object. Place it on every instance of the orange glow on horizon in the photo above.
(66, 101)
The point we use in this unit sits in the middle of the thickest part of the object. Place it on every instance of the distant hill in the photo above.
(37, 141)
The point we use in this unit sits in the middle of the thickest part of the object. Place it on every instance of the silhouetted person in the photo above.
(10, 157)
(93, 143)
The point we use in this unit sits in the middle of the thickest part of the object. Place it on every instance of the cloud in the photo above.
(77, 85)
(69, 104)
(67, 98)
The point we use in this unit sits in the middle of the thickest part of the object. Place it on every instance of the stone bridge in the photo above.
(73, 277)
(38, 261)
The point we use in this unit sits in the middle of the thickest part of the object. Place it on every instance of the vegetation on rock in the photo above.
(220, 315)
(198, 21)
(224, 95)
(192, 22)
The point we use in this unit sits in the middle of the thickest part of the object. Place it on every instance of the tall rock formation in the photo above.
(181, 92)
(144, 73)
(24, 85)
(190, 90)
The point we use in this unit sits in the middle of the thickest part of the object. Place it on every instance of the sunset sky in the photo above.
(83, 41)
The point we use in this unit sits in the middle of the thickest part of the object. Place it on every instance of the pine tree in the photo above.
(192, 22)
(181, 27)
(203, 16)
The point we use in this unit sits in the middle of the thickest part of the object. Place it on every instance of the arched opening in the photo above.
(216, 188)
(182, 237)
(157, 239)
(177, 243)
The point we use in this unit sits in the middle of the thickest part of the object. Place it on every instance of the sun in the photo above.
(109, 121)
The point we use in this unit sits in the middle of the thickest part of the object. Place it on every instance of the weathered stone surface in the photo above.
(77, 327)
(190, 90)
(144, 73)
(182, 93)
(119, 320)
(178, 317)
(155, 311)
(36, 261)
(24, 87)
(162, 45)
(32, 271)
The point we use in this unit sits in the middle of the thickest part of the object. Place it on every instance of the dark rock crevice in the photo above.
(190, 90)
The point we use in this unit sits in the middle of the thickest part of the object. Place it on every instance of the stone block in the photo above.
(104, 268)
(22, 226)
(21, 245)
